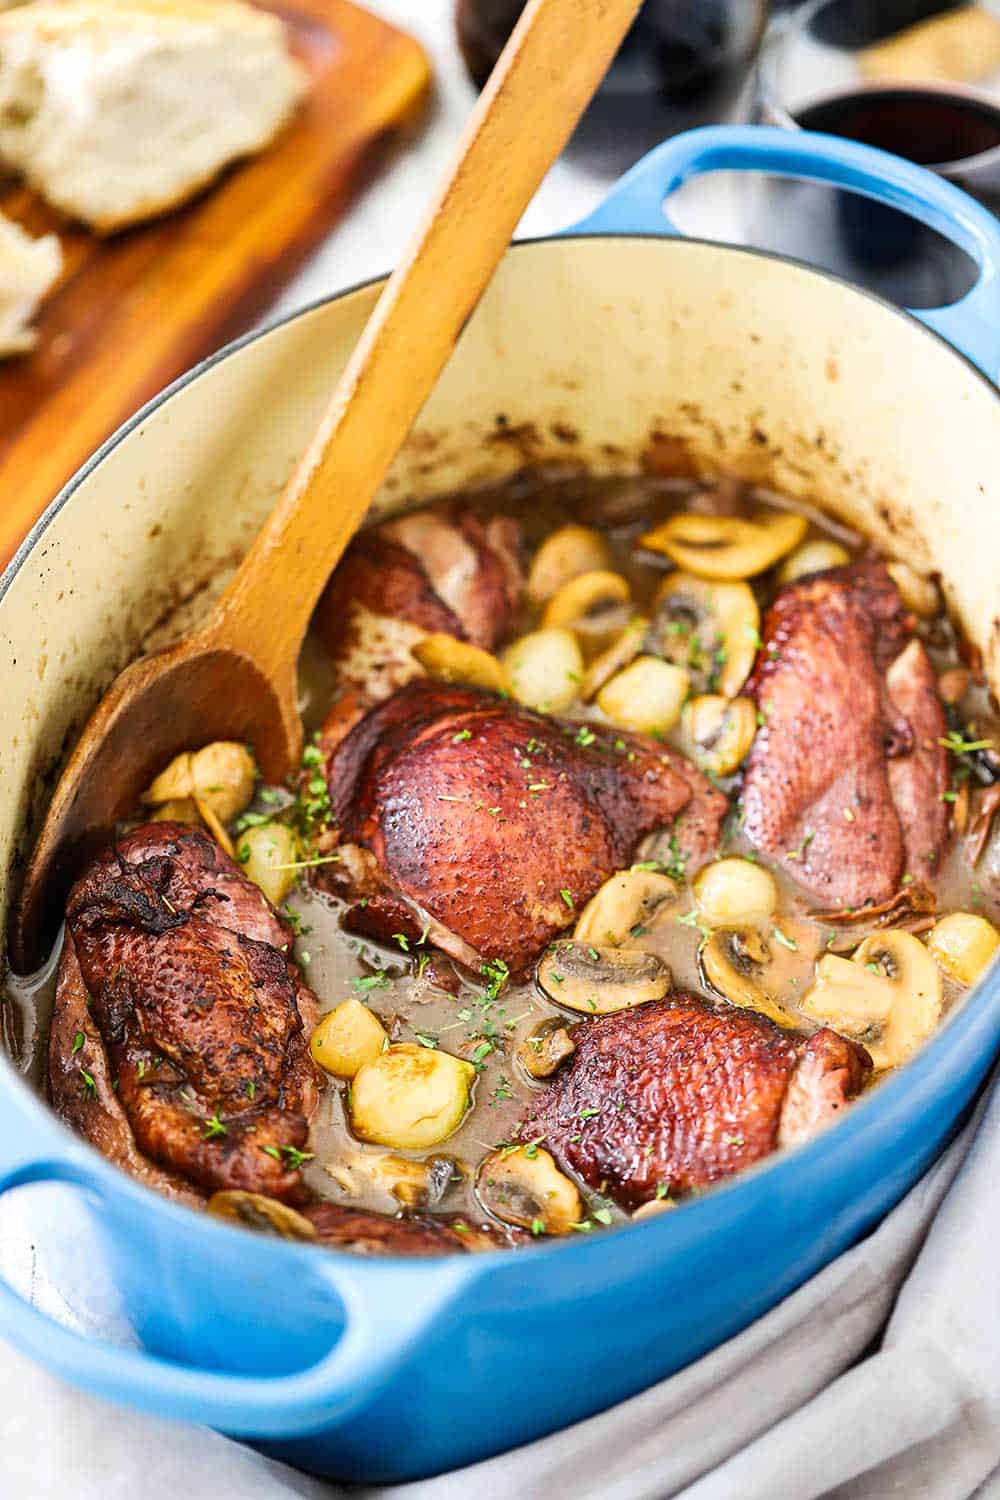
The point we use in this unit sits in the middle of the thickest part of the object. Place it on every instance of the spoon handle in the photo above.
(549, 70)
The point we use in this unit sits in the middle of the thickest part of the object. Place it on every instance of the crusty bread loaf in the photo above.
(118, 110)
(28, 269)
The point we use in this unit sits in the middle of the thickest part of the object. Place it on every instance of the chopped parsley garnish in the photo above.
(293, 1157)
(214, 1128)
(676, 865)
(463, 734)
(503, 1091)
(959, 745)
(425, 1039)
(78, 1042)
(362, 983)
(584, 736)
(89, 1086)
(496, 974)
(567, 897)
(785, 940)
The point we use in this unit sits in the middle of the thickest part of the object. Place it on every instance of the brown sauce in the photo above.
(400, 987)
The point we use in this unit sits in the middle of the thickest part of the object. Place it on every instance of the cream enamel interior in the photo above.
(581, 351)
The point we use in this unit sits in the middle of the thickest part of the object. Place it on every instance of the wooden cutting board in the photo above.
(132, 312)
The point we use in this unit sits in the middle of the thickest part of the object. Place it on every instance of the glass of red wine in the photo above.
(918, 78)
(683, 63)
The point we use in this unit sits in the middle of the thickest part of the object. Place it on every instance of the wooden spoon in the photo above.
(235, 677)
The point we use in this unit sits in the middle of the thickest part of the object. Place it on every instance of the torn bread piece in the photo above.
(28, 269)
(119, 110)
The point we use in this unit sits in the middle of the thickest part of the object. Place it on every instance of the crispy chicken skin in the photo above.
(422, 572)
(681, 1094)
(494, 821)
(195, 1034)
(845, 775)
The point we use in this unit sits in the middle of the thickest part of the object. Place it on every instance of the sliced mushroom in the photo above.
(735, 893)
(410, 1097)
(727, 547)
(854, 1000)
(545, 1050)
(599, 981)
(348, 1038)
(565, 554)
(618, 655)
(888, 996)
(722, 731)
(964, 945)
(523, 1186)
(269, 854)
(173, 783)
(451, 660)
(414, 1184)
(545, 669)
(218, 780)
(813, 557)
(918, 594)
(587, 598)
(223, 777)
(710, 629)
(733, 964)
(255, 1211)
(647, 696)
(178, 810)
(624, 905)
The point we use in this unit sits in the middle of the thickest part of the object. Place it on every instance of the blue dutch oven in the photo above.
(615, 336)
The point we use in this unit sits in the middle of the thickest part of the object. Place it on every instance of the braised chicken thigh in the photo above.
(177, 986)
(674, 1096)
(849, 764)
(496, 823)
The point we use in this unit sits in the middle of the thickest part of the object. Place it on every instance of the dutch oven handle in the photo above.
(385, 1307)
(972, 325)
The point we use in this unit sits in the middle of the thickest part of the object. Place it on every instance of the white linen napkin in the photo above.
(878, 1378)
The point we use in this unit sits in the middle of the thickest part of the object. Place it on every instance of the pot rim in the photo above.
(970, 1019)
